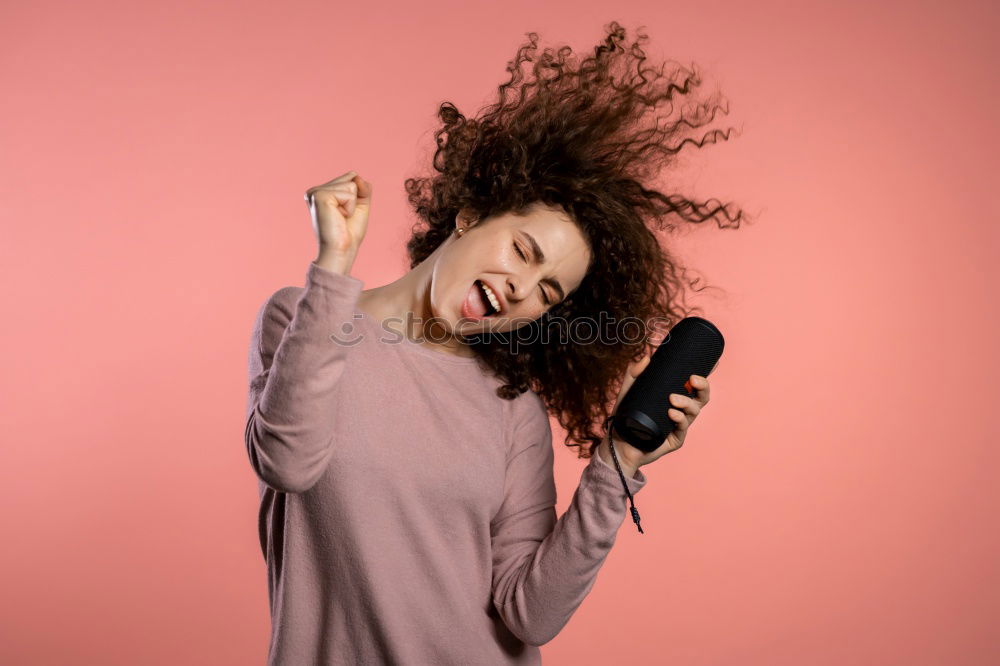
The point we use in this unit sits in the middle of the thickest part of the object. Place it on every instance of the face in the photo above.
(529, 262)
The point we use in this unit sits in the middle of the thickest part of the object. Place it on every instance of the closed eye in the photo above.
(517, 249)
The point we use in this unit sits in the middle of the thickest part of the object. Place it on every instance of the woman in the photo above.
(401, 434)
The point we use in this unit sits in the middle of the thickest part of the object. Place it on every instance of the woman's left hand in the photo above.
(683, 411)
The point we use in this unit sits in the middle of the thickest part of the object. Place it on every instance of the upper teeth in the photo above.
(489, 294)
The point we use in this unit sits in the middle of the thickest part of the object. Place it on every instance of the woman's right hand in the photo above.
(339, 212)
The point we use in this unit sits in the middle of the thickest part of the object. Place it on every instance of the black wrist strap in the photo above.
(611, 445)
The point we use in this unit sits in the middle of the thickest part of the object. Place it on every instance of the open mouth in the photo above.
(480, 302)
(488, 299)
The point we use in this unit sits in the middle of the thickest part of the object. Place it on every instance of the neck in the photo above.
(406, 303)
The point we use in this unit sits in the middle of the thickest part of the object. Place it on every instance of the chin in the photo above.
(465, 326)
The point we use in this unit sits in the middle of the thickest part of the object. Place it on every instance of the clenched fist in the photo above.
(339, 212)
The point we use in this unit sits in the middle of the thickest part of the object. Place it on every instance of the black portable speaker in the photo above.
(692, 347)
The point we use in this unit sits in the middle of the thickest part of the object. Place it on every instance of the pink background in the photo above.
(835, 504)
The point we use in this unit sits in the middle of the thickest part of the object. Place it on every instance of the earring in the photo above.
(459, 231)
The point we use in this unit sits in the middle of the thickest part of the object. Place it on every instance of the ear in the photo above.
(464, 219)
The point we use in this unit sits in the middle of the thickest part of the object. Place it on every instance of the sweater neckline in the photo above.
(396, 338)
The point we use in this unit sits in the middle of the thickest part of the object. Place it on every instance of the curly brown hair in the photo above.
(572, 137)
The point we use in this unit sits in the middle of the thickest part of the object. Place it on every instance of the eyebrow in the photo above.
(540, 259)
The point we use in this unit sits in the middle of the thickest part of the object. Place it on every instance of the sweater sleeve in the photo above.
(294, 367)
(543, 568)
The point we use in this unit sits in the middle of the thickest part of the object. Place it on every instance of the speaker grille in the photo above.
(693, 347)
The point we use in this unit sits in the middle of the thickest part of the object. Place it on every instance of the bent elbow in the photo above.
(526, 628)
(284, 473)
(532, 637)
(283, 481)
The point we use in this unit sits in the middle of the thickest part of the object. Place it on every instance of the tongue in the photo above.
(475, 300)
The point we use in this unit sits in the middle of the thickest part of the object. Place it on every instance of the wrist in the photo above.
(334, 262)
(629, 468)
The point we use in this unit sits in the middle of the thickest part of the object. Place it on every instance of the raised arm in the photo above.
(544, 568)
(294, 364)
(294, 367)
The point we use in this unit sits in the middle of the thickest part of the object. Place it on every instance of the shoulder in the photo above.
(530, 405)
(281, 302)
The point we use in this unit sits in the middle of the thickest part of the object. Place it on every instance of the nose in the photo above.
(518, 288)
(512, 290)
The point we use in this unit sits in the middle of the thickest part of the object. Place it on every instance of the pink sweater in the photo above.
(407, 513)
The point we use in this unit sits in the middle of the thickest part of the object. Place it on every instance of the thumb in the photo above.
(634, 369)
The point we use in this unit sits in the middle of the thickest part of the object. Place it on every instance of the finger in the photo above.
(687, 404)
(634, 369)
(342, 194)
(678, 417)
(344, 177)
(700, 385)
(342, 198)
(348, 189)
(347, 194)
(364, 191)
